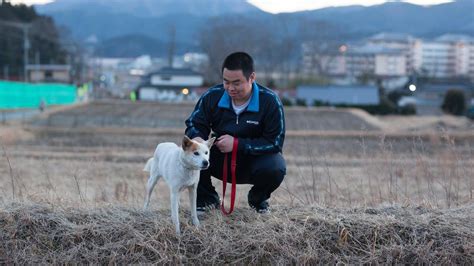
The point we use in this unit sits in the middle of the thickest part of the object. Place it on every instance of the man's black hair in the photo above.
(239, 61)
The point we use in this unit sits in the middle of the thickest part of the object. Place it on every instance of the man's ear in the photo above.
(187, 142)
(252, 77)
(210, 141)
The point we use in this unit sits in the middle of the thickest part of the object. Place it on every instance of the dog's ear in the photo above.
(187, 142)
(210, 141)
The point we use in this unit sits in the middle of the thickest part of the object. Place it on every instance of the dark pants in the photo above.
(265, 172)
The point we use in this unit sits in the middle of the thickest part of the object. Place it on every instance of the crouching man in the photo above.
(244, 113)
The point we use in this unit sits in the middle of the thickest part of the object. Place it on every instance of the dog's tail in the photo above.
(148, 165)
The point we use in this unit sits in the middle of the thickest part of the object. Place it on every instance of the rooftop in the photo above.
(394, 37)
(48, 67)
(175, 71)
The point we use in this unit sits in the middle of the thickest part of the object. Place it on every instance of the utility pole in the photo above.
(5, 72)
(171, 45)
(26, 42)
(26, 48)
(37, 59)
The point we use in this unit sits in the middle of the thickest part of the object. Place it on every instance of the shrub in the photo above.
(320, 103)
(386, 107)
(286, 101)
(395, 96)
(470, 112)
(301, 102)
(454, 102)
(409, 109)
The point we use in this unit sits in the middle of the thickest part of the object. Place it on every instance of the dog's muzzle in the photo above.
(204, 165)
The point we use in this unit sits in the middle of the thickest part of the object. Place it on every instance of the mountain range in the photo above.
(131, 28)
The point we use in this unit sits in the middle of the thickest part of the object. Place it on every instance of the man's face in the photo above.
(236, 85)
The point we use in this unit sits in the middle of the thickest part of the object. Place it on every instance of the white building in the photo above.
(357, 60)
(448, 56)
(392, 55)
(407, 44)
(49, 73)
(375, 60)
(170, 84)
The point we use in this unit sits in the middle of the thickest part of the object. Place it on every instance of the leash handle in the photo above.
(233, 165)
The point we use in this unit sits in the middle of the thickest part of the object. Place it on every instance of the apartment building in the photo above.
(448, 56)
(392, 55)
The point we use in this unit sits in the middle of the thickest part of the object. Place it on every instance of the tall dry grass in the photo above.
(73, 196)
(378, 174)
(48, 233)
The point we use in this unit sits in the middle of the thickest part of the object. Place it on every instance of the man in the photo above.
(240, 108)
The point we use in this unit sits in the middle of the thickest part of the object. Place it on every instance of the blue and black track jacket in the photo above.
(260, 128)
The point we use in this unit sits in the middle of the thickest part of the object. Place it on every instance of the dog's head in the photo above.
(196, 154)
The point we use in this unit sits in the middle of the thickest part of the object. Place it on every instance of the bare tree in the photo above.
(320, 46)
(222, 37)
(171, 44)
(262, 39)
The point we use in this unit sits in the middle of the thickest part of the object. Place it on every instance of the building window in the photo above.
(165, 77)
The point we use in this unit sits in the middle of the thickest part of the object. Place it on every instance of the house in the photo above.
(170, 84)
(332, 94)
(49, 73)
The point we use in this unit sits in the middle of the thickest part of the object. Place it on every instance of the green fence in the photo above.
(30, 95)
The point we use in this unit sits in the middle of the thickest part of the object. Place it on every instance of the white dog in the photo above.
(180, 168)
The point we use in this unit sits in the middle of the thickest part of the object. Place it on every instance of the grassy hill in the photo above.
(47, 233)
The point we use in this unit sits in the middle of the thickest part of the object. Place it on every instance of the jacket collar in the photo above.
(253, 106)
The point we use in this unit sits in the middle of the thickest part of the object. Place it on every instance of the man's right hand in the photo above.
(225, 143)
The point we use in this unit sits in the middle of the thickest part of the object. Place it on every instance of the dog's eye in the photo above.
(196, 153)
(206, 152)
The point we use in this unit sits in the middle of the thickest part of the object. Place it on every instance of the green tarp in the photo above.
(30, 95)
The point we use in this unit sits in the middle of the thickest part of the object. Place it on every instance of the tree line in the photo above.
(42, 38)
(275, 43)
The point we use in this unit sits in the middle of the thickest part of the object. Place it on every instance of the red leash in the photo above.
(233, 164)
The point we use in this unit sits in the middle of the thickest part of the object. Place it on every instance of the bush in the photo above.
(409, 109)
(301, 102)
(454, 102)
(318, 103)
(470, 112)
(395, 96)
(286, 101)
(385, 107)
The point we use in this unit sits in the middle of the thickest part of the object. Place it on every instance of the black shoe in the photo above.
(261, 208)
(203, 207)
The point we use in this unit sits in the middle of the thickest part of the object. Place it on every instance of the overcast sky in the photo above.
(277, 6)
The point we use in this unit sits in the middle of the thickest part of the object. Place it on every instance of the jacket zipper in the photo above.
(237, 120)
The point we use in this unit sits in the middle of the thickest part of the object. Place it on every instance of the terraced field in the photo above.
(359, 190)
(335, 157)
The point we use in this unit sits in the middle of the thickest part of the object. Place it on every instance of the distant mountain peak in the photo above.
(152, 8)
(110, 20)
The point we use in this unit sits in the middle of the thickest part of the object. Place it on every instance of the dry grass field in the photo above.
(359, 189)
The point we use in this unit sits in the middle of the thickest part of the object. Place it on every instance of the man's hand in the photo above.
(225, 143)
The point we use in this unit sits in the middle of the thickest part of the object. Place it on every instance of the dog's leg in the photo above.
(174, 195)
(149, 188)
(192, 202)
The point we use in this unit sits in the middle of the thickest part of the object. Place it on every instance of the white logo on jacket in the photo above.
(180, 167)
(252, 122)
